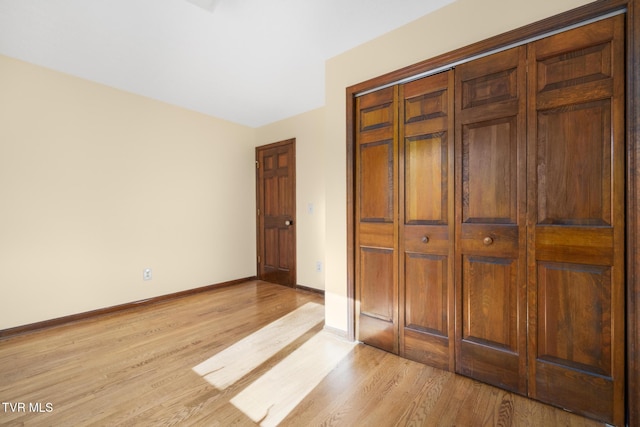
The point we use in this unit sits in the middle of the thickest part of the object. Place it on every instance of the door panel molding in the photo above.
(631, 8)
(426, 225)
(377, 218)
(576, 171)
(276, 212)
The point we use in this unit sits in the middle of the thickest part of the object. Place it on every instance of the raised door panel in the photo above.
(491, 219)
(376, 221)
(576, 220)
(429, 312)
(377, 312)
(568, 333)
(425, 179)
(574, 169)
(376, 180)
(489, 172)
(426, 226)
(490, 293)
(488, 288)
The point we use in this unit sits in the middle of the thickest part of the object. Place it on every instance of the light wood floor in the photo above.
(140, 368)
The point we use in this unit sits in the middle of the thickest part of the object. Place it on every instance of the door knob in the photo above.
(487, 241)
(288, 222)
(425, 239)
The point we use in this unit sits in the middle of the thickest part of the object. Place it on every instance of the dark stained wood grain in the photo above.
(491, 219)
(576, 220)
(633, 211)
(376, 182)
(427, 221)
(276, 203)
(591, 10)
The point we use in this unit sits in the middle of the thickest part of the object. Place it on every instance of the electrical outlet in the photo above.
(318, 266)
(146, 274)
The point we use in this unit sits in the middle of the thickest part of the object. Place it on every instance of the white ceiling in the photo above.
(252, 62)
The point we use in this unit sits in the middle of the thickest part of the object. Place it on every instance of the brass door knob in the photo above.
(487, 241)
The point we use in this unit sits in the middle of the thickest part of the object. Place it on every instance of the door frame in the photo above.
(632, 192)
(260, 206)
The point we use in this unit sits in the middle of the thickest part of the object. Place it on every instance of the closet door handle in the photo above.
(288, 222)
(487, 241)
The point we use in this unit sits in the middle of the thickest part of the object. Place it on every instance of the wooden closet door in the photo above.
(377, 219)
(576, 220)
(427, 225)
(491, 219)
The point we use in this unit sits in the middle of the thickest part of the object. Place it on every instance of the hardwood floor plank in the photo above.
(134, 368)
(293, 378)
(422, 404)
(334, 398)
(234, 362)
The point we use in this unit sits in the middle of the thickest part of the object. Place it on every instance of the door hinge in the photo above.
(258, 212)
(257, 164)
(258, 259)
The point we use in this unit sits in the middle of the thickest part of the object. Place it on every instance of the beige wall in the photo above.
(97, 184)
(456, 25)
(308, 129)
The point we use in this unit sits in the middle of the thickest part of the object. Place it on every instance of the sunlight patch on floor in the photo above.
(273, 396)
(234, 362)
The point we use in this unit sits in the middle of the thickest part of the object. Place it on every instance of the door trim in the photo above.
(492, 52)
(632, 196)
(260, 207)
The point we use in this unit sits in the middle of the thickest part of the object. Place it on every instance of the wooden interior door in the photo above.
(276, 200)
(377, 219)
(427, 221)
(491, 219)
(576, 220)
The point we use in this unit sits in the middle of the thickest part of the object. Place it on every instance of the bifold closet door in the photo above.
(427, 221)
(377, 219)
(576, 220)
(490, 229)
(491, 219)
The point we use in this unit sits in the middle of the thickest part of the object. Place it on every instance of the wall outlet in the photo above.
(318, 266)
(146, 274)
